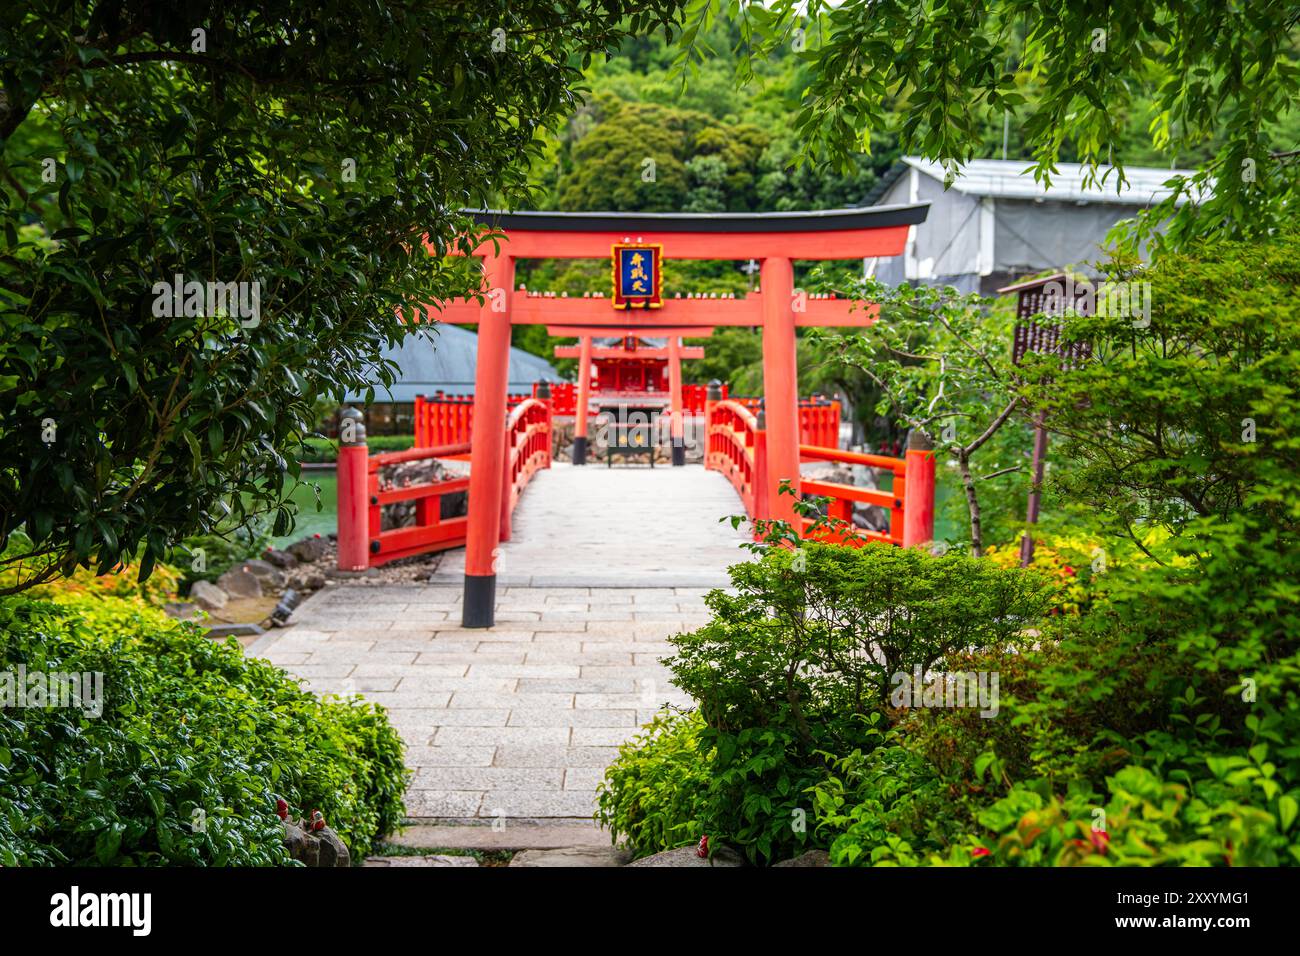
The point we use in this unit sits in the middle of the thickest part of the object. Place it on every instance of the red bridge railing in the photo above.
(363, 494)
(564, 397)
(528, 450)
(448, 419)
(819, 419)
(737, 447)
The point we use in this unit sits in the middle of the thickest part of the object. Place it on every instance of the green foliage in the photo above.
(322, 450)
(796, 666)
(941, 365)
(1195, 414)
(1199, 79)
(312, 160)
(1160, 728)
(653, 794)
(187, 725)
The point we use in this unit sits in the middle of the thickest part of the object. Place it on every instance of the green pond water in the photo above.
(309, 520)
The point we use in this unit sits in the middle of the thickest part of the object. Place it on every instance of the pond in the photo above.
(310, 521)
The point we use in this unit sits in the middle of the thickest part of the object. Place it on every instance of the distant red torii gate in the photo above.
(775, 239)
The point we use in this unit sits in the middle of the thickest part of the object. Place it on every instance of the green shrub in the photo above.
(1159, 729)
(796, 667)
(653, 793)
(322, 450)
(187, 726)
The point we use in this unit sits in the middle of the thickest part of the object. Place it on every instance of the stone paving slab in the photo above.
(505, 835)
(519, 721)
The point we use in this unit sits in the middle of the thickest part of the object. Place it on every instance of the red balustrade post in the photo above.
(353, 506)
(711, 398)
(918, 505)
(762, 499)
(543, 390)
(780, 386)
(487, 444)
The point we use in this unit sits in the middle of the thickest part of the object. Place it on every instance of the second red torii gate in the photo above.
(775, 239)
(588, 353)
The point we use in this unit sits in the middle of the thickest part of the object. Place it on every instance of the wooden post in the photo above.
(353, 481)
(677, 425)
(487, 444)
(780, 387)
(1035, 492)
(584, 400)
(918, 505)
(712, 395)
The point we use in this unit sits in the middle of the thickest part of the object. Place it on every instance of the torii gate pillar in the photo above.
(584, 401)
(487, 444)
(780, 386)
(677, 425)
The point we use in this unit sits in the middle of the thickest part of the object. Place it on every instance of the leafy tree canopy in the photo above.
(1203, 76)
(300, 151)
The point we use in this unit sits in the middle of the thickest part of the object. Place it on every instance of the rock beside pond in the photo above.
(271, 577)
(309, 549)
(238, 582)
(281, 559)
(208, 596)
(307, 581)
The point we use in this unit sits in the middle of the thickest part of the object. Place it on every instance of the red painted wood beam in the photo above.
(687, 314)
(577, 331)
(821, 244)
(684, 351)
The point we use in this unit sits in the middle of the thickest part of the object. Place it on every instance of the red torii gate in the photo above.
(587, 353)
(775, 239)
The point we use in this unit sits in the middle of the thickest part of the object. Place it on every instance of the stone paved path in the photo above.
(519, 721)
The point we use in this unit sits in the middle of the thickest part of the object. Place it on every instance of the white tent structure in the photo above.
(995, 223)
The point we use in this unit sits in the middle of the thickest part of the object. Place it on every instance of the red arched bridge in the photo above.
(756, 444)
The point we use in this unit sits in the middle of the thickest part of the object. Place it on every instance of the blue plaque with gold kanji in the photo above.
(638, 281)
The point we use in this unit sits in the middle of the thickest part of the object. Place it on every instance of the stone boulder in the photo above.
(811, 858)
(272, 578)
(208, 596)
(240, 583)
(401, 514)
(583, 856)
(281, 559)
(322, 848)
(686, 856)
(433, 859)
(307, 581)
(309, 549)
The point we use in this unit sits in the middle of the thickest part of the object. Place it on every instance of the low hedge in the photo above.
(194, 745)
(321, 450)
